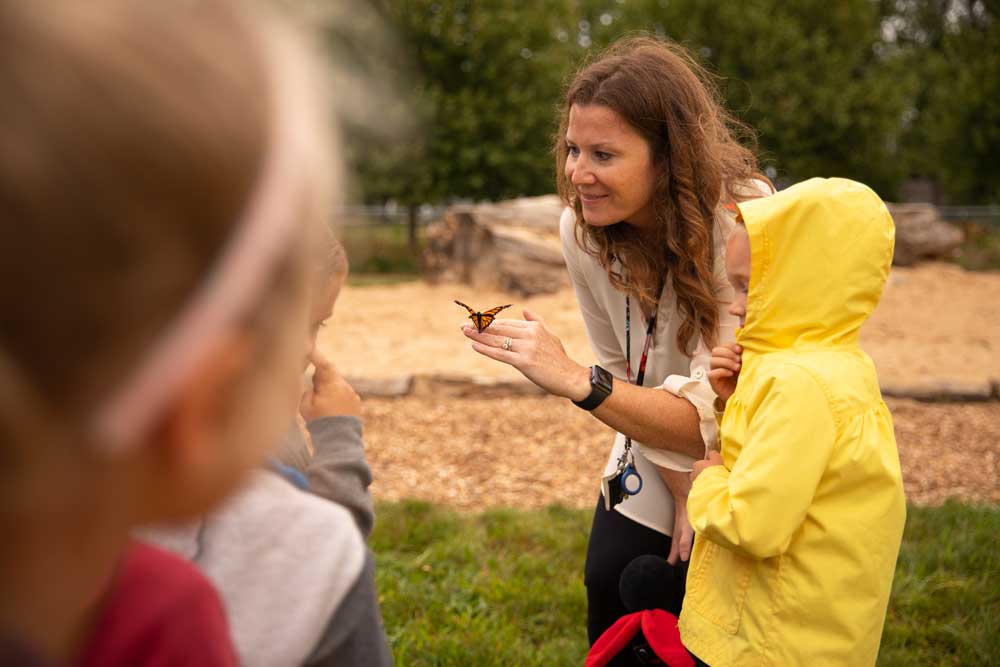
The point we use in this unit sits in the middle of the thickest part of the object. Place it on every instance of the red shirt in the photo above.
(160, 612)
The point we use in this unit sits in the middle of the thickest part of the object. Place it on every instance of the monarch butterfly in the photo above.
(485, 319)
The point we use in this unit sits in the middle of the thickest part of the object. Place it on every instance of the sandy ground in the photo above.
(936, 322)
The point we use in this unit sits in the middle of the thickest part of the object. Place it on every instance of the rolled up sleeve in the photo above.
(696, 390)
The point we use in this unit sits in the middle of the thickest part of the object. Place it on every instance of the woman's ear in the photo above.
(189, 463)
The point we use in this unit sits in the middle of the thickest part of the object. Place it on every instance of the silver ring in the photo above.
(507, 342)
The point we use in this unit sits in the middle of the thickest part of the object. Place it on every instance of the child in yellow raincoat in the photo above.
(799, 520)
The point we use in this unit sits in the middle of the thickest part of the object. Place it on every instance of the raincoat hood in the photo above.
(820, 256)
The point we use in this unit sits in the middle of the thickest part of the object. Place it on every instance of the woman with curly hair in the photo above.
(650, 166)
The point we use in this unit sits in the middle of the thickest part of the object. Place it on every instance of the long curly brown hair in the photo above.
(702, 160)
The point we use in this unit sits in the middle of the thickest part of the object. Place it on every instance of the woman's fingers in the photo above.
(507, 321)
(532, 316)
(491, 339)
(505, 329)
(512, 328)
(497, 353)
(720, 373)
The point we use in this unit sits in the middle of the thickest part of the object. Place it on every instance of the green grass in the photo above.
(379, 279)
(380, 249)
(945, 607)
(981, 249)
(506, 587)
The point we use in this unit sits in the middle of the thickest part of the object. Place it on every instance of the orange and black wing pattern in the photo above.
(483, 320)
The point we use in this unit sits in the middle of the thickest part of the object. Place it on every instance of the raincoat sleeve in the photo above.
(600, 333)
(757, 507)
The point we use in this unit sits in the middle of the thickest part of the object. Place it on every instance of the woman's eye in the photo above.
(602, 156)
(574, 151)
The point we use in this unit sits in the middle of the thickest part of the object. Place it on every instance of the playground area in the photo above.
(936, 333)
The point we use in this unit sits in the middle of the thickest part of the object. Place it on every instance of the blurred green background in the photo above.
(899, 94)
(888, 92)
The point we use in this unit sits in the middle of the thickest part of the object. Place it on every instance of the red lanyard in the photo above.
(628, 345)
(628, 354)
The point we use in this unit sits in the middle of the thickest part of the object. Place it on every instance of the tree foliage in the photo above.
(487, 77)
(952, 131)
(876, 90)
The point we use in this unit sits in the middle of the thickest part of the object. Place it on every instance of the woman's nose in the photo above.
(581, 173)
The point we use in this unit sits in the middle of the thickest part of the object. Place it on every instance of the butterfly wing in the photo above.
(488, 317)
(492, 312)
(483, 320)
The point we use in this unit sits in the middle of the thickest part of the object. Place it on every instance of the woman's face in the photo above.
(610, 166)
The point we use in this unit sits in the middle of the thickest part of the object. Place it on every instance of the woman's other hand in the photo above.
(331, 395)
(536, 352)
(679, 484)
(725, 369)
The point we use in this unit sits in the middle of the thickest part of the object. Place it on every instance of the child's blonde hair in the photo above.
(132, 135)
(330, 256)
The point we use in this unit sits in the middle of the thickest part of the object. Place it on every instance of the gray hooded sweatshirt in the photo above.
(292, 568)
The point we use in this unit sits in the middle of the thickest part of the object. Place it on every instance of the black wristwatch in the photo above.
(600, 388)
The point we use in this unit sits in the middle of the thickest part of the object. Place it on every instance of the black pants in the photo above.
(614, 541)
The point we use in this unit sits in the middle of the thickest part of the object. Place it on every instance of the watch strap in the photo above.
(597, 392)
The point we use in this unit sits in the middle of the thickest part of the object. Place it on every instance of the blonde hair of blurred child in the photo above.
(150, 153)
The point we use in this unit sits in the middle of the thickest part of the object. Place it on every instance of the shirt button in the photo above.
(699, 373)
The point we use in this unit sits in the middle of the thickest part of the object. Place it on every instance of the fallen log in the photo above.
(514, 245)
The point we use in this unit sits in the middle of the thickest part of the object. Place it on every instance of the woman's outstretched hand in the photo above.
(725, 369)
(536, 352)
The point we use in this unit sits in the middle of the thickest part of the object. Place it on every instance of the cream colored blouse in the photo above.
(603, 309)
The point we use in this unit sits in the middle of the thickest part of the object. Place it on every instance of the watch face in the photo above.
(600, 379)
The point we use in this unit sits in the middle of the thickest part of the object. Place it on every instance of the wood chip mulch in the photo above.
(936, 323)
(528, 452)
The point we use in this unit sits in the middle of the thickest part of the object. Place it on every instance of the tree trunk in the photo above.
(412, 214)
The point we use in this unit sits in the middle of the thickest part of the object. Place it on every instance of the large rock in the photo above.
(921, 234)
(512, 246)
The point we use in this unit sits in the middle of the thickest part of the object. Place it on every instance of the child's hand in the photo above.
(714, 459)
(331, 395)
(725, 369)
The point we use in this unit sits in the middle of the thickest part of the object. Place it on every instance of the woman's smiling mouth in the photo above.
(590, 200)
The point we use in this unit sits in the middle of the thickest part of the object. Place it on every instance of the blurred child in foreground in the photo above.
(161, 165)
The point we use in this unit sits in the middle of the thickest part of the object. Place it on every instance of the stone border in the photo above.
(946, 391)
(463, 386)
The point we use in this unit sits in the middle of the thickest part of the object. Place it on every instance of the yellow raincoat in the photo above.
(798, 532)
